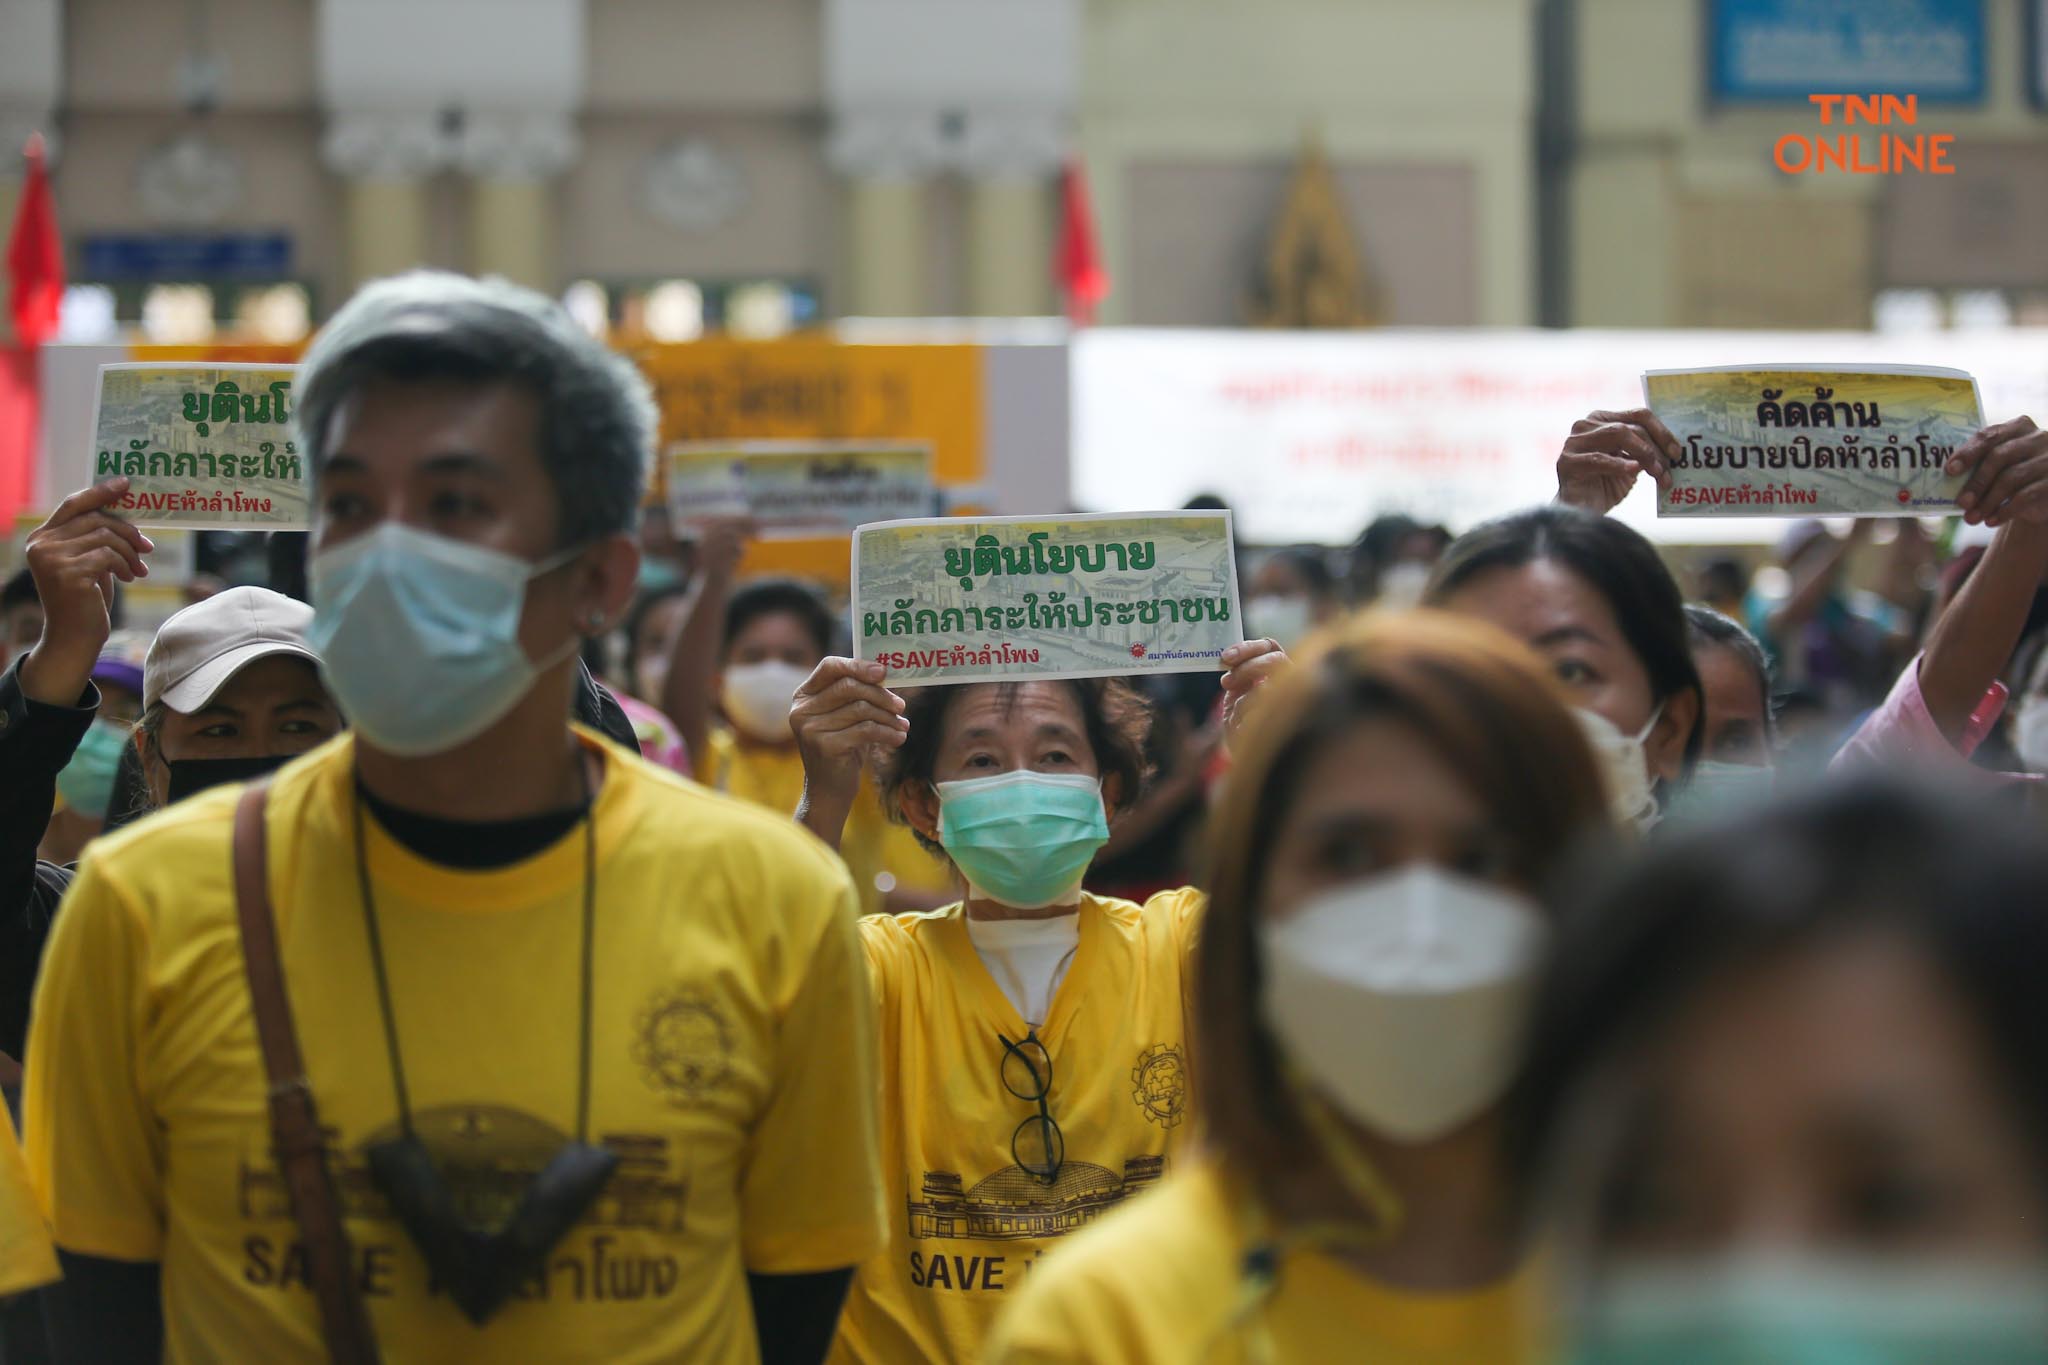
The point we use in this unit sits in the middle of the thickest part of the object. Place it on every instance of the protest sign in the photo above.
(203, 444)
(1815, 440)
(796, 488)
(960, 600)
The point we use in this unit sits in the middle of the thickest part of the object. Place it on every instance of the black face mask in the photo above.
(190, 776)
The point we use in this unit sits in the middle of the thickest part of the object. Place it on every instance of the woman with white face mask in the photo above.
(1370, 941)
(1786, 1095)
(1037, 1066)
(1291, 594)
(1591, 596)
(1738, 733)
(738, 656)
(1948, 698)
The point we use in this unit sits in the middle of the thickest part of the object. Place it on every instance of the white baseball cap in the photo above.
(207, 643)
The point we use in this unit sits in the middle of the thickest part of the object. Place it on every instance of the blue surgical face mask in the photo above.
(419, 636)
(1718, 788)
(656, 574)
(1798, 1311)
(1023, 838)
(87, 781)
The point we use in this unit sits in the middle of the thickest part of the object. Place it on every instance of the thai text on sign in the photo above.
(1813, 440)
(800, 487)
(202, 444)
(959, 600)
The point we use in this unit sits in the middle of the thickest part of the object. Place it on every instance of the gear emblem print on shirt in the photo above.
(1160, 1084)
(683, 1045)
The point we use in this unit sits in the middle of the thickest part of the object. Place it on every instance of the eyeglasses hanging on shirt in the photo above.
(1037, 1145)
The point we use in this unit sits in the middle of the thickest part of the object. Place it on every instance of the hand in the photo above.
(842, 714)
(1605, 453)
(74, 558)
(2008, 467)
(720, 543)
(1245, 667)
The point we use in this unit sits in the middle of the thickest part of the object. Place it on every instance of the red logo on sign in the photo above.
(1905, 496)
(1137, 651)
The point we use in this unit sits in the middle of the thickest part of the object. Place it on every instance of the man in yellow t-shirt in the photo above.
(506, 942)
(26, 1257)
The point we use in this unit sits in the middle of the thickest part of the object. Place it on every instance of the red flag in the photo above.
(35, 268)
(20, 430)
(35, 255)
(1081, 275)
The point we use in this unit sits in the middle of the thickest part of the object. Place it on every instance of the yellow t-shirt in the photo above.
(968, 1222)
(26, 1257)
(732, 1067)
(1162, 1283)
(773, 776)
(906, 860)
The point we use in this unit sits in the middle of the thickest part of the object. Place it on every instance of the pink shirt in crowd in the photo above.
(660, 741)
(1902, 731)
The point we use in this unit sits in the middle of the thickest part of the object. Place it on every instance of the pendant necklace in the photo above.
(483, 1267)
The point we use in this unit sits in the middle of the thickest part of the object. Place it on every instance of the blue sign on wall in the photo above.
(2037, 51)
(185, 256)
(1789, 49)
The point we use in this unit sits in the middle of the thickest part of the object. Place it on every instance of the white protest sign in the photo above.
(980, 599)
(202, 443)
(800, 487)
(1813, 440)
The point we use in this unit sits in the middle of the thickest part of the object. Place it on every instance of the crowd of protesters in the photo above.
(509, 931)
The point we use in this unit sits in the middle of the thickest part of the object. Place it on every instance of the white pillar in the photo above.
(510, 159)
(465, 66)
(1011, 159)
(982, 89)
(1009, 247)
(885, 247)
(887, 159)
(386, 159)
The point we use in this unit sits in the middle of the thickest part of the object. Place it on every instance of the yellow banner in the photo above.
(812, 388)
(800, 388)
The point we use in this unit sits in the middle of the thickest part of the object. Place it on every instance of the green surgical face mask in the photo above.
(1789, 1311)
(87, 781)
(1023, 838)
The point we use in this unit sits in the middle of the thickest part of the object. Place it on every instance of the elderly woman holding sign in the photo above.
(1034, 1034)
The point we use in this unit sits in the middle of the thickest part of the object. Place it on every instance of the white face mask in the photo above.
(1402, 584)
(1284, 620)
(1717, 788)
(2030, 734)
(1630, 796)
(1400, 997)
(653, 678)
(756, 698)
